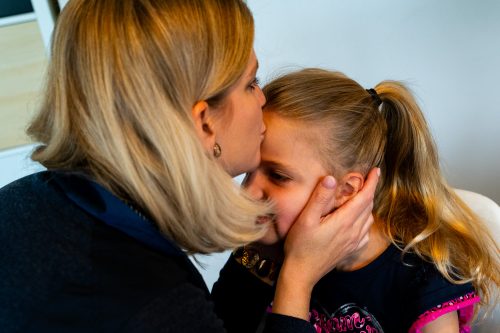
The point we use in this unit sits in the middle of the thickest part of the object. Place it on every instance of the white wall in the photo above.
(448, 51)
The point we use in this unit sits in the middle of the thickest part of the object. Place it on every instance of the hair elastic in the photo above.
(375, 96)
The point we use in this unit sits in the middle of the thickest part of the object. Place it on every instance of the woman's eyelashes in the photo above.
(254, 84)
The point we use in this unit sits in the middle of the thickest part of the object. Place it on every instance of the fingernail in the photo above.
(329, 182)
(378, 172)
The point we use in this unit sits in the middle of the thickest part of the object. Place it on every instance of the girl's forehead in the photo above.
(292, 132)
(289, 142)
(298, 140)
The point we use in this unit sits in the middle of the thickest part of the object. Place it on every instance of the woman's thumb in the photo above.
(321, 202)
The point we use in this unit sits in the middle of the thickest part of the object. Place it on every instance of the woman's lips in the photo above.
(265, 219)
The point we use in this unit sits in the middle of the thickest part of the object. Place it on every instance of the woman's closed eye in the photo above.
(254, 84)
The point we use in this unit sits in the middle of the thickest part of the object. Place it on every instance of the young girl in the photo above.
(429, 259)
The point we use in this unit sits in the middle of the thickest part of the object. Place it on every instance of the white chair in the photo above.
(16, 163)
(486, 208)
(489, 211)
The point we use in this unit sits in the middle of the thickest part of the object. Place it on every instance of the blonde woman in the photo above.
(151, 106)
(429, 259)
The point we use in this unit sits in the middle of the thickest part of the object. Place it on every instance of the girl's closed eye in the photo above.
(278, 177)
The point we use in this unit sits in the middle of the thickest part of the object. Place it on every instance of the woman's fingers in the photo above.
(364, 234)
(362, 202)
(316, 247)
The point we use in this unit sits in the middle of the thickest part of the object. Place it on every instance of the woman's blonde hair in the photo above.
(419, 211)
(122, 81)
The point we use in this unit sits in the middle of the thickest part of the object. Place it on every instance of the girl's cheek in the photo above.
(285, 223)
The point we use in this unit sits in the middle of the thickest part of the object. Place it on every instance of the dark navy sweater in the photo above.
(62, 269)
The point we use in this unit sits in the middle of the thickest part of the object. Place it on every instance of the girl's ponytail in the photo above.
(420, 211)
(410, 166)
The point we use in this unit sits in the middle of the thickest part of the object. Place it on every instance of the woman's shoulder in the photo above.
(21, 187)
(28, 201)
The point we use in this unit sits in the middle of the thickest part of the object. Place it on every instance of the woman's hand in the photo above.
(316, 243)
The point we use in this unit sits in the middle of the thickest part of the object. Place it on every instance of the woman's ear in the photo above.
(203, 124)
(348, 187)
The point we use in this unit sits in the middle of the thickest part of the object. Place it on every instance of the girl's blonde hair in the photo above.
(123, 78)
(419, 210)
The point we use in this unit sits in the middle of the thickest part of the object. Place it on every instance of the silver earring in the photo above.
(217, 150)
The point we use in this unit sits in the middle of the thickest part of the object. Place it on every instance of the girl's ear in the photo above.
(203, 124)
(348, 187)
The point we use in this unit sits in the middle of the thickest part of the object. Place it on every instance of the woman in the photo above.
(150, 107)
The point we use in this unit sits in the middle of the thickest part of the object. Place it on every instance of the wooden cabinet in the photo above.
(22, 67)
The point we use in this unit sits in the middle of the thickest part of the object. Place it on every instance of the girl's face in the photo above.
(288, 173)
(241, 128)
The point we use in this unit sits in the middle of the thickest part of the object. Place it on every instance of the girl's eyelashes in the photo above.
(277, 176)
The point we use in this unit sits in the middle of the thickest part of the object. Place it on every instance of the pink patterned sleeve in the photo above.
(464, 305)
